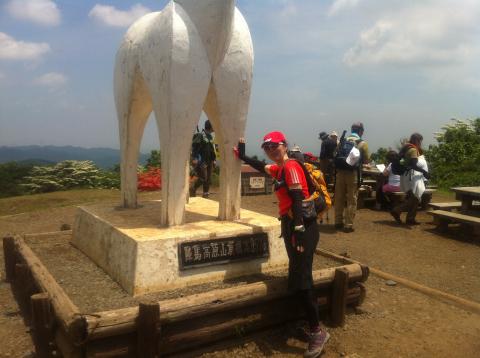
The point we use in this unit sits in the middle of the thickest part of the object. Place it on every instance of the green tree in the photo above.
(379, 155)
(69, 174)
(155, 159)
(455, 159)
(11, 176)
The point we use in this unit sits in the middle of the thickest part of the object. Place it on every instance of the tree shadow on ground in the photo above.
(456, 233)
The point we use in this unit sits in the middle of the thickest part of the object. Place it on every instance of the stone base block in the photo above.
(143, 257)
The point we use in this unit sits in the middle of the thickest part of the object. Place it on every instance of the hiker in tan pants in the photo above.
(346, 194)
(346, 183)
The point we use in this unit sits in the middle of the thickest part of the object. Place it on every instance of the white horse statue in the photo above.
(194, 55)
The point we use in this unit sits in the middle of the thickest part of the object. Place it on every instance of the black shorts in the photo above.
(300, 263)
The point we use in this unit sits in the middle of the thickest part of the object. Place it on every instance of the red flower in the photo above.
(150, 180)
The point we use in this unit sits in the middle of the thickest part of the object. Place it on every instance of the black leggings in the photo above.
(300, 278)
(309, 302)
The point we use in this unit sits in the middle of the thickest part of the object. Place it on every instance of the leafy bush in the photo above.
(69, 174)
(455, 160)
(380, 155)
(155, 159)
(11, 176)
(150, 180)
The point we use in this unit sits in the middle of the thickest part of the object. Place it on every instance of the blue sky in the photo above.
(398, 66)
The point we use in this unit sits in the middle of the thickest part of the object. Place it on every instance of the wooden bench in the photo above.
(365, 197)
(369, 182)
(443, 218)
(399, 196)
(446, 206)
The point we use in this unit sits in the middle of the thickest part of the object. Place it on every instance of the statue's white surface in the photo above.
(194, 55)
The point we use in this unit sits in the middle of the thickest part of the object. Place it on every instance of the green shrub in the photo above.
(454, 161)
(69, 174)
(11, 176)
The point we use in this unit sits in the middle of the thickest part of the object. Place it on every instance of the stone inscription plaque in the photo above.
(220, 251)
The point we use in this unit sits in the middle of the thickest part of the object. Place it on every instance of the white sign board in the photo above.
(257, 182)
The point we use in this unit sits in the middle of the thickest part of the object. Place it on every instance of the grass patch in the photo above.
(27, 203)
(443, 195)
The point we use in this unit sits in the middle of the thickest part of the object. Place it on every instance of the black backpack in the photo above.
(197, 144)
(398, 165)
(343, 150)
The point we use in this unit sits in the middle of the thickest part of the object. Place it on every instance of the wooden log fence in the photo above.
(153, 329)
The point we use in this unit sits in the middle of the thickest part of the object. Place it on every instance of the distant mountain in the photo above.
(44, 155)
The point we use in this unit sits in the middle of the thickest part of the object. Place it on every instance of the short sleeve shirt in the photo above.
(363, 147)
(393, 179)
(293, 175)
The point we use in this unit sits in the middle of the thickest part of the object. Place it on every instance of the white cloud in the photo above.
(51, 79)
(11, 49)
(43, 12)
(111, 16)
(340, 5)
(432, 33)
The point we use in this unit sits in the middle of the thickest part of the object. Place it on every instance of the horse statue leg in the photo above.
(227, 108)
(134, 105)
(179, 74)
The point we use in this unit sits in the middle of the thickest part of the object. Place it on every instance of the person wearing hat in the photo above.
(296, 153)
(347, 182)
(300, 236)
(334, 136)
(203, 159)
(327, 153)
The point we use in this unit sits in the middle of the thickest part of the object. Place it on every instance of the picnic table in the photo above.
(468, 214)
(371, 172)
(467, 195)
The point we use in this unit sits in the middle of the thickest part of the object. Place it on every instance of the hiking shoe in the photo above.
(396, 216)
(339, 226)
(412, 222)
(316, 344)
(205, 195)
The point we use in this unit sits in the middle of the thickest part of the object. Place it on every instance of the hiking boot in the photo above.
(396, 216)
(348, 229)
(339, 226)
(316, 344)
(412, 222)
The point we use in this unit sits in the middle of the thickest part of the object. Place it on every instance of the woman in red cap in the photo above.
(301, 236)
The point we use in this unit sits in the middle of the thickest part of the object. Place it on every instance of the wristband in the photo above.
(299, 228)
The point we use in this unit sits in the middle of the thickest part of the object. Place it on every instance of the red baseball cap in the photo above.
(274, 137)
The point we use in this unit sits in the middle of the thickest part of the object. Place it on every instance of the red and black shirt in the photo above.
(293, 175)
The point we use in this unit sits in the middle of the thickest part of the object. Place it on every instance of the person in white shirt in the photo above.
(391, 186)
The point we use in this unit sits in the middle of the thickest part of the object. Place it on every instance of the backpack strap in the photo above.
(310, 185)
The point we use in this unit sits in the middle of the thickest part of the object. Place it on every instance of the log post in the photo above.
(21, 280)
(148, 332)
(339, 297)
(9, 257)
(42, 325)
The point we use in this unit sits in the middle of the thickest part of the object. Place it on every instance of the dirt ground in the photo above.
(392, 322)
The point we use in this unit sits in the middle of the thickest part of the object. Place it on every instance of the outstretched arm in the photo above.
(254, 163)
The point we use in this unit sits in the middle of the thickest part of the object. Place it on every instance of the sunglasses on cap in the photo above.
(270, 146)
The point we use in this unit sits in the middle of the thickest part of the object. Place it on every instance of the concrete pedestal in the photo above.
(142, 257)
